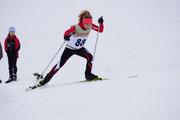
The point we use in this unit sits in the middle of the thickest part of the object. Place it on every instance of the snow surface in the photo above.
(140, 37)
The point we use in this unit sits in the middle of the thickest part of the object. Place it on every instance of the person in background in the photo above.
(1, 56)
(12, 46)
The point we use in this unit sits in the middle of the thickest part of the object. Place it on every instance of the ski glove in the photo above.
(67, 37)
(100, 20)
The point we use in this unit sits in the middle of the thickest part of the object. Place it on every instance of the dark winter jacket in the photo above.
(1, 53)
(12, 46)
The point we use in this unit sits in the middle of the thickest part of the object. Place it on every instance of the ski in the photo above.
(83, 81)
(97, 79)
(102, 79)
(29, 88)
(128, 77)
(94, 80)
(33, 87)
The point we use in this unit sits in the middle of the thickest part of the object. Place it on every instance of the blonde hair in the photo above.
(84, 14)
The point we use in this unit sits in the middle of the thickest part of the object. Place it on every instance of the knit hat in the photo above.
(11, 29)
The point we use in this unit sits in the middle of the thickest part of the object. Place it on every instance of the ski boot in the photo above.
(14, 77)
(36, 86)
(10, 79)
(41, 83)
(45, 80)
(92, 77)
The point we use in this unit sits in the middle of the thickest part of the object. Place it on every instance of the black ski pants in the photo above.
(83, 52)
(12, 60)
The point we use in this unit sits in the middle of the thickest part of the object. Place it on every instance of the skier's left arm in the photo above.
(95, 27)
(17, 45)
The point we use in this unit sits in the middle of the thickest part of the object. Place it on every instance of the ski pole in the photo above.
(96, 43)
(39, 76)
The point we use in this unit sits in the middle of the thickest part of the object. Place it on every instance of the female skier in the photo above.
(12, 46)
(76, 37)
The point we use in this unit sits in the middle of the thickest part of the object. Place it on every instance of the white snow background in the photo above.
(140, 37)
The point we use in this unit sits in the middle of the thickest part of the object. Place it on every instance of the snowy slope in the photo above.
(140, 37)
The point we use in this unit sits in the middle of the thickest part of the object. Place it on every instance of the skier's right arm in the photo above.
(69, 32)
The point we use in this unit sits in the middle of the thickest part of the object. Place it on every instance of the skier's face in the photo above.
(12, 33)
(87, 26)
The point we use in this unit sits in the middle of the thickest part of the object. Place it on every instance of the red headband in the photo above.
(87, 20)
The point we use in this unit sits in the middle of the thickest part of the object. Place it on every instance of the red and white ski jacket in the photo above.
(94, 27)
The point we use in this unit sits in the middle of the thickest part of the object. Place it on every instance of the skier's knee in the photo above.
(90, 58)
